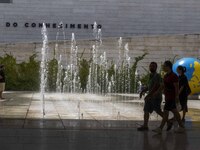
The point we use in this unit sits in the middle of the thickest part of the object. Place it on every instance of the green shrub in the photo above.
(83, 73)
(25, 76)
(52, 75)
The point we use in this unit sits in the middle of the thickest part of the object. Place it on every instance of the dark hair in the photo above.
(154, 63)
(168, 64)
(183, 69)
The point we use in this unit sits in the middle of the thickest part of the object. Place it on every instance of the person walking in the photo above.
(184, 90)
(2, 81)
(152, 100)
(171, 92)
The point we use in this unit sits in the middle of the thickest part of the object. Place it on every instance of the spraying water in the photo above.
(127, 69)
(99, 80)
(103, 78)
(59, 76)
(43, 66)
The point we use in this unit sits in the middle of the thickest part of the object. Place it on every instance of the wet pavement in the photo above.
(28, 106)
(87, 122)
(117, 139)
(70, 111)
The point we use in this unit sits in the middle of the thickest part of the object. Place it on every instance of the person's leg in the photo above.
(144, 127)
(165, 118)
(147, 111)
(184, 113)
(158, 110)
(185, 110)
(160, 113)
(171, 105)
(146, 119)
(177, 117)
(157, 106)
(180, 129)
(169, 121)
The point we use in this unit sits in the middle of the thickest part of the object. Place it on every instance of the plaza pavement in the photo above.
(87, 122)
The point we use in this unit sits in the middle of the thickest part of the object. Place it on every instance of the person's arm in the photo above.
(154, 89)
(176, 91)
(143, 91)
(161, 87)
(158, 88)
(183, 84)
(180, 90)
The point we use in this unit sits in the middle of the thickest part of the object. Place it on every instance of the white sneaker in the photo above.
(157, 130)
(179, 130)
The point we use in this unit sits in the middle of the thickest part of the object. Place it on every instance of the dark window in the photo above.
(5, 1)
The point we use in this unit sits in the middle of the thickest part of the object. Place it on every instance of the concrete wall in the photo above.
(124, 18)
(160, 48)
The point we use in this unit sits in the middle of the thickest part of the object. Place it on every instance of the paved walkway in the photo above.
(27, 105)
(118, 139)
(110, 124)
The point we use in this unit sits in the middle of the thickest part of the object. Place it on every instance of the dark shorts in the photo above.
(152, 105)
(183, 102)
(170, 105)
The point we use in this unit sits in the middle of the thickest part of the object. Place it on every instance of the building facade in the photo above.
(21, 20)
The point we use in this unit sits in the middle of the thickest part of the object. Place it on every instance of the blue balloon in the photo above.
(192, 72)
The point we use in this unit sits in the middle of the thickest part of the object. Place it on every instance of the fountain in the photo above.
(59, 76)
(43, 66)
(104, 81)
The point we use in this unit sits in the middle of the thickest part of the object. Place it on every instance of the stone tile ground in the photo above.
(23, 127)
